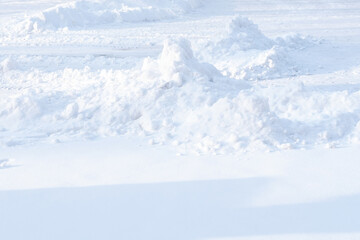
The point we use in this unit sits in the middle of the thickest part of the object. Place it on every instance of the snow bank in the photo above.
(87, 13)
(246, 53)
(175, 99)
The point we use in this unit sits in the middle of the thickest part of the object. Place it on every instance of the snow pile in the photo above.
(297, 41)
(177, 65)
(269, 64)
(87, 13)
(162, 99)
(316, 117)
(244, 35)
(173, 99)
(247, 54)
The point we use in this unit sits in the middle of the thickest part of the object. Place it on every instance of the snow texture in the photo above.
(246, 53)
(87, 13)
(5, 163)
(205, 98)
(158, 119)
(176, 99)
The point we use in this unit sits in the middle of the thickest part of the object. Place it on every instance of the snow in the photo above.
(85, 13)
(111, 188)
(182, 119)
(5, 163)
(177, 99)
(244, 35)
(247, 54)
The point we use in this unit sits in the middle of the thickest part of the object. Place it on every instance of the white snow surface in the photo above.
(5, 163)
(246, 53)
(181, 119)
(111, 188)
(180, 99)
(89, 13)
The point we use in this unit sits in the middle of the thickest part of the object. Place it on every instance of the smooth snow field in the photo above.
(180, 119)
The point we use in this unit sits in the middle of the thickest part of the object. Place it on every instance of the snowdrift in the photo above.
(86, 13)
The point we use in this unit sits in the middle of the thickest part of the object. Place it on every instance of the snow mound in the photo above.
(297, 41)
(243, 34)
(269, 64)
(177, 65)
(87, 13)
(246, 53)
(176, 99)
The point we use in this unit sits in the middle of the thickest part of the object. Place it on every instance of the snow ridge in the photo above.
(86, 13)
(203, 101)
(173, 99)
